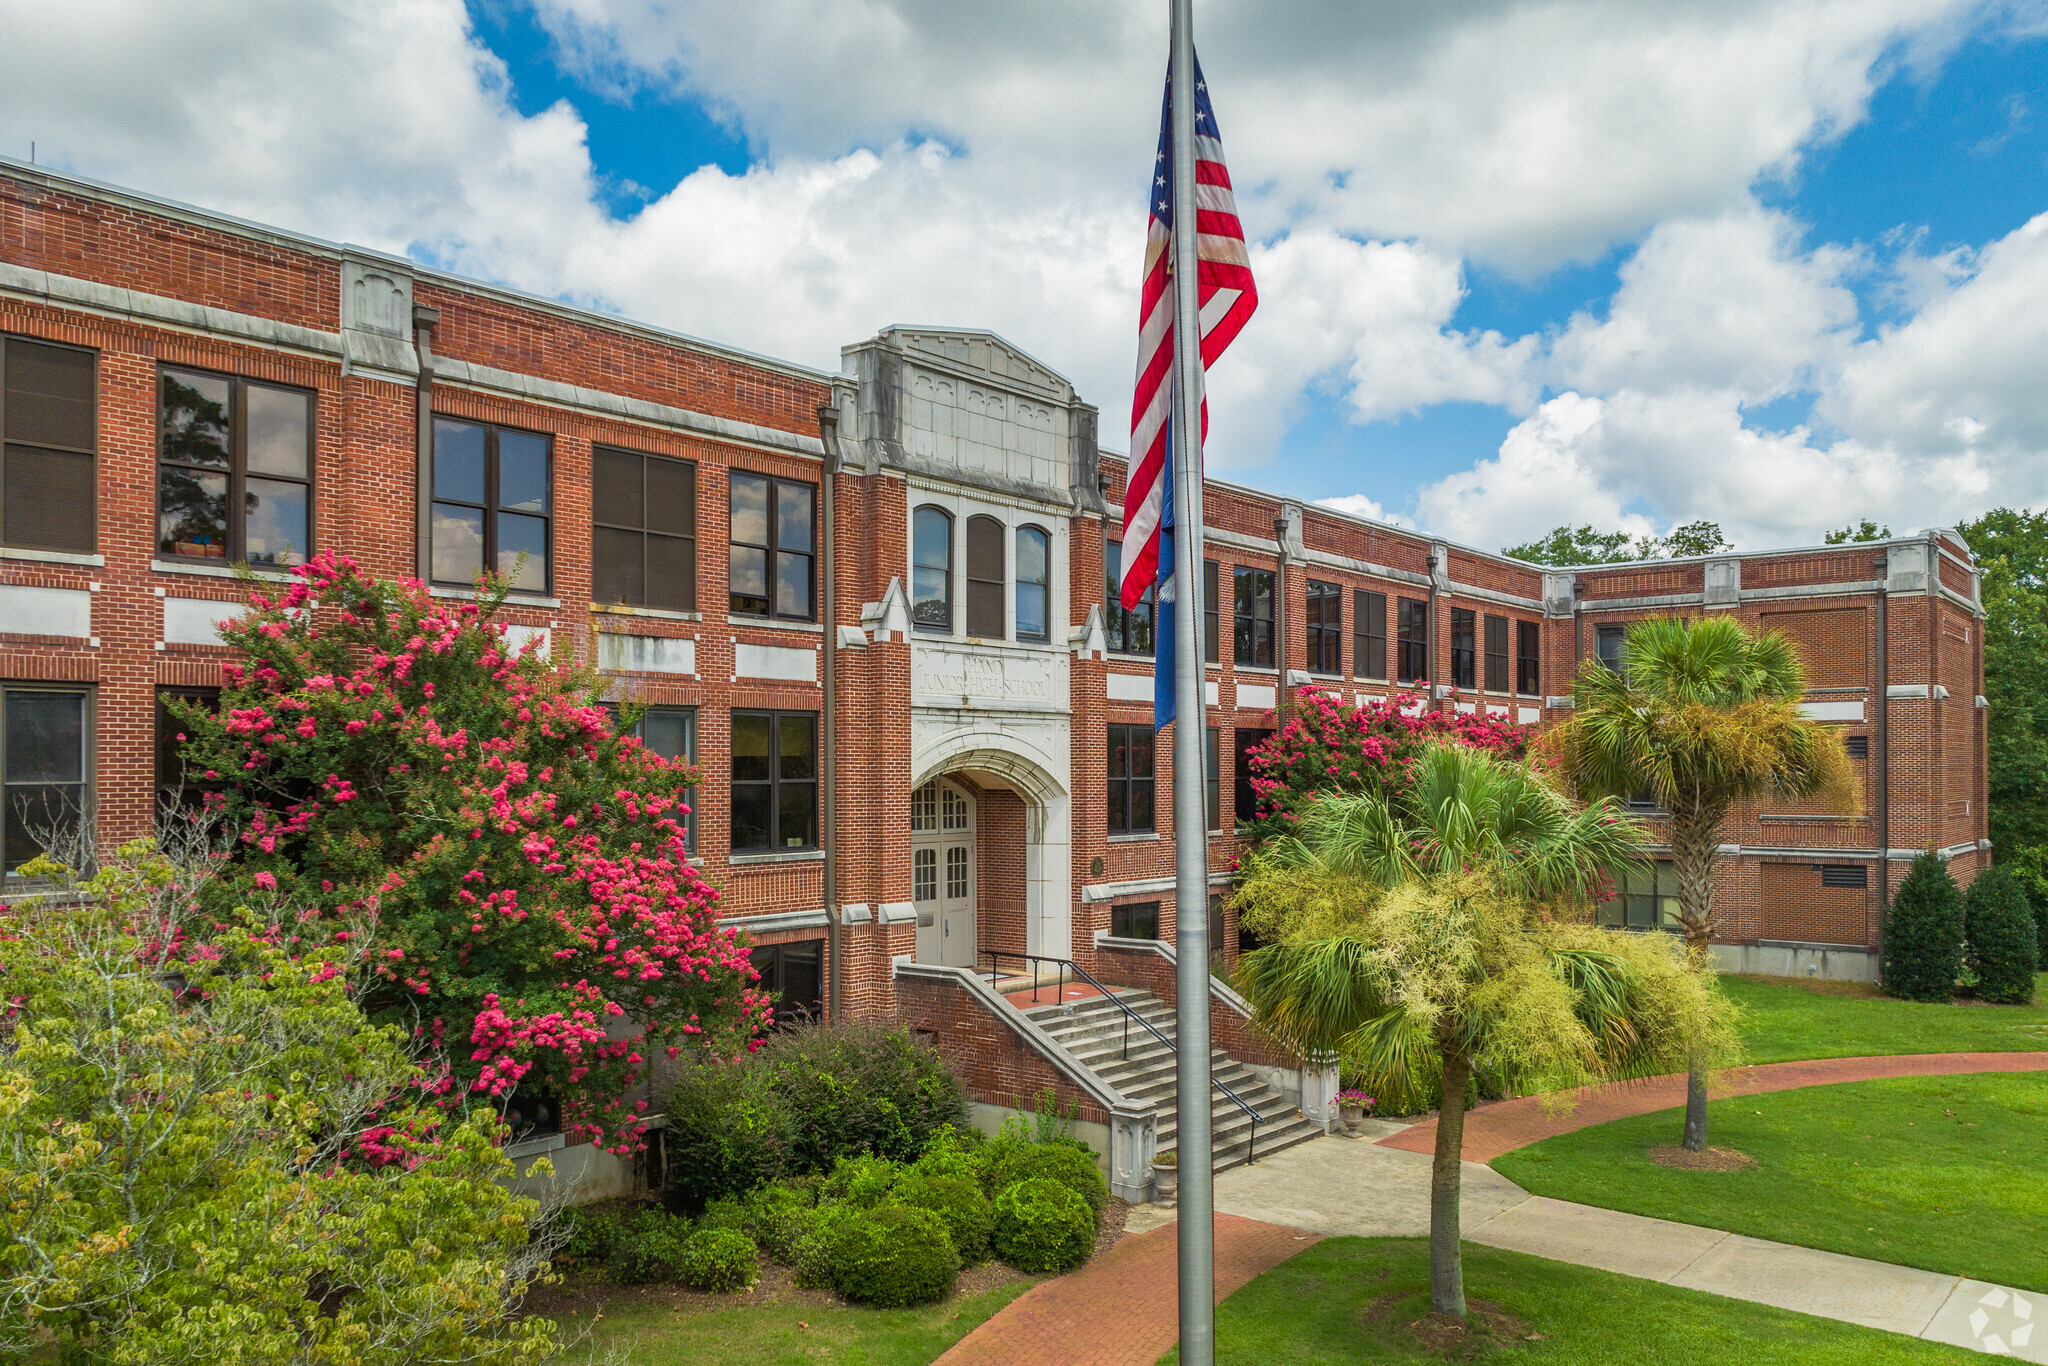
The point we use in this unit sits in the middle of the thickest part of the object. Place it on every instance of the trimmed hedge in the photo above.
(1069, 1163)
(815, 1259)
(1923, 934)
(777, 1217)
(650, 1249)
(718, 1259)
(893, 1256)
(959, 1202)
(863, 1181)
(2000, 937)
(955, 1152)
(1042, 1225)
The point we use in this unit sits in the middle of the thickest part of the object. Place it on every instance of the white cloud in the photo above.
(1358, 505)
(926, 161)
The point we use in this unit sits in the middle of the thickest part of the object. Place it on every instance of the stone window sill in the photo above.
(511, 599)
(779, 856)
(1138, 838)
(53, 557)
(214, 571)
(770, 624)
(620, 609)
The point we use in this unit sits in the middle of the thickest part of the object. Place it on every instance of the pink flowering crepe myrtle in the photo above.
(1329, 745)
(397, 769)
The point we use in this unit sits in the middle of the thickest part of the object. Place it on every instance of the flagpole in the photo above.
(1197, 1223)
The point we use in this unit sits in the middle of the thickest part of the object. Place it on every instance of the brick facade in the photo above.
(143, 284)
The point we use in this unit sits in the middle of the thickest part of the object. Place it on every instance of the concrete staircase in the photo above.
(1093, 1031)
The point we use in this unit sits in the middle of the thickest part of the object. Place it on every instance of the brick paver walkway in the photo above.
(1123, 1308)
(1506, 1125)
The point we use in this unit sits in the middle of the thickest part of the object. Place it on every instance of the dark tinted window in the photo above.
(1252, 616)
(1413, 629)
(931, 570)
(176, 784)
(1134, 920)
(1611, 642)
(774, 540)
(1528, 658)
(985, 586)
(493, 505)
(1034, 584)
(774, 781)
(644, 530)
(48, 435)
(1325, 627)
(1245, 740)
(794, 977)
(1129, 632)
(1496, 654)
(1464, 648)
(43, 788)
(1130, 779)
(1369, 633)
(234, 469)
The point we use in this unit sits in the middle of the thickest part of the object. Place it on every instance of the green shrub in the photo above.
(727, 1131)
(2000, 935)
(589, 1235)
(862, 1181)
(1070, 1164)
(892, 1256)
(959, 1201)
(1923, 934)
(1041, 1225)
(952, 1152)
(776, 1216)
(815, 1258)
(718, 1259)
(855, 1088)
(650, 1248)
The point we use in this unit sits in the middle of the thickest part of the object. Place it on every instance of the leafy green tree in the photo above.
(1567, 545)
(2012, 556)
(1446, 926)
(207, 1154)
(1866, 530)
(1923, 933)
(1999, 939)
(1696, 538)
(1705, 716)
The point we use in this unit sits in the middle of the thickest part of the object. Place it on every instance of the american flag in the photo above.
(1227, 297)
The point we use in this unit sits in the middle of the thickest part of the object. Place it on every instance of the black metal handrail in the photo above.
(1066, 965)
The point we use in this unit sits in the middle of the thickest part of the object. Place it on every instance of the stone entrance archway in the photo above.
(1019, 863)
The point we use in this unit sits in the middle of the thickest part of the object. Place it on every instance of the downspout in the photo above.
(1884, 759)
(1578, 624)
(424, 320)
(1279, 618)
(828, 729)
(1429, 644)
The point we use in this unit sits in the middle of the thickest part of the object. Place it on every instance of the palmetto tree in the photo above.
(1704, 715)
(1446, 929)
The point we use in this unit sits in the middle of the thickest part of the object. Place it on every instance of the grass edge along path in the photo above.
(1787, 1018)
(1312, 1311)
(1940, 1173)
(651, 1330)
(1503, 1126)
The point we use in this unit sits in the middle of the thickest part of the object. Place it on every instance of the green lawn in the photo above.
(1945, 1173)
(1313, 1310)
(786, 1328)
(1789, 1019)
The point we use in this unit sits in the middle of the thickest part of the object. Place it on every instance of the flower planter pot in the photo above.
(1351, 1115)
(1165, 1182)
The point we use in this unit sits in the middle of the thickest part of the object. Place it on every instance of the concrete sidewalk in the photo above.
(1357, 1187)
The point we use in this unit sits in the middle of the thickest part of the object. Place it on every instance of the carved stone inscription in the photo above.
(945, 675)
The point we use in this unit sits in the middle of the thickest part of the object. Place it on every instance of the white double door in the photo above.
(942, 885)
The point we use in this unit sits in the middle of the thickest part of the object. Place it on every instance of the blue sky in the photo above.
(1765, 262)
(1952, 156)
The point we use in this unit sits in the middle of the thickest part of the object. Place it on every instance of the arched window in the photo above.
(931, 570)
(985, 577)
(1034, 583)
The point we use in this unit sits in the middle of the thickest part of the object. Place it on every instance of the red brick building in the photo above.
(180, 390)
